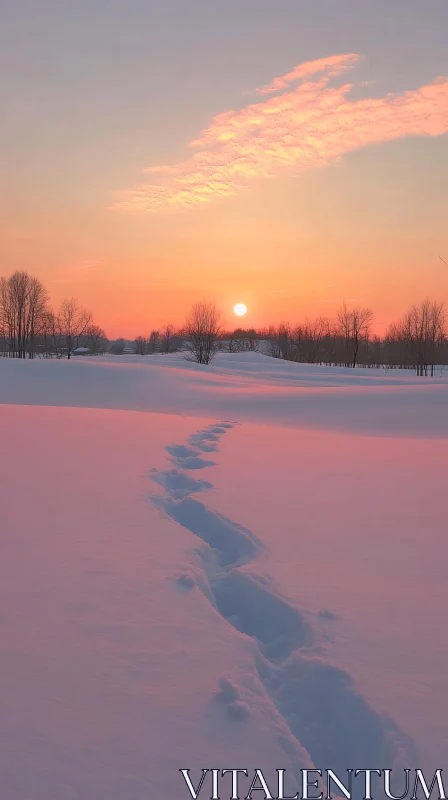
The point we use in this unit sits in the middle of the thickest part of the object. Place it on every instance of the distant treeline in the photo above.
(418, 341)
(29, 327)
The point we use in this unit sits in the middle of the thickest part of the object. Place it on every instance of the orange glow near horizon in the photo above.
(301, 200)
(127, 303)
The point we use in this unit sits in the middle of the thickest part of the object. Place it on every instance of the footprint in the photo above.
(179, 485)
(252, 609)
(186, 581)
(204, 447)
(194, 463)
(331, 719)
(187, 458)
(180, 451)
(233, 544)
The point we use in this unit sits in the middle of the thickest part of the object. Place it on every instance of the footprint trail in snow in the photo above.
(319, 703)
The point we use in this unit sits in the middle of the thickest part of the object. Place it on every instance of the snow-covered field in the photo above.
(240, 566)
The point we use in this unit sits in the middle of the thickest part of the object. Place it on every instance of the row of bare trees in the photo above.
(420, 338)
(341, 342)
(168, 340)
(29, 327)
(23, 307)
(418, 341)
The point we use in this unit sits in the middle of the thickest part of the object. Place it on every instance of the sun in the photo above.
(240, 309)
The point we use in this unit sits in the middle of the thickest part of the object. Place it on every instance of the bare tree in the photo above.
(203, 332)
(354, 327)
(73, 321)
(95, 339)
(314, 333)
(272, 344)
(284, 336)
(169, 340)
(50, 336)
(424, 329)
(23, 305)
(153, 341)
(330, 342)
(141, 345)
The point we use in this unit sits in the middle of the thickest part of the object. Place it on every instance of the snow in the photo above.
(249, 387)
(239, 566)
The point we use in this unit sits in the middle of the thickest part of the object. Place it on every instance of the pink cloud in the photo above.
(332, 66)
(297, 128)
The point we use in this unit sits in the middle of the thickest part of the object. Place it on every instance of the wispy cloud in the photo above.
(303, 121)
(331, 67)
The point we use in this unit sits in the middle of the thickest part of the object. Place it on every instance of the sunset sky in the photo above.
(287, 154)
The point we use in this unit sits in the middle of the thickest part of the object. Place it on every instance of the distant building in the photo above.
(81, 351)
